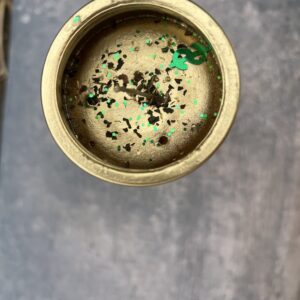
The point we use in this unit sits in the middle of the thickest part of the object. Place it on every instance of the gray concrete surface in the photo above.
(231, 230)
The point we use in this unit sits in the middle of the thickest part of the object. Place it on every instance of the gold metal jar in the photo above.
(140, 169)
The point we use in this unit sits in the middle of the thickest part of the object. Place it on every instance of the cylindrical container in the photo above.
(140, 93)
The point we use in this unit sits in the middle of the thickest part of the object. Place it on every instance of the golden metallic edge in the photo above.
(183, 9)
(5, 7)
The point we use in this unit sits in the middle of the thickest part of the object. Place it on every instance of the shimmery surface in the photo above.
(141, 112)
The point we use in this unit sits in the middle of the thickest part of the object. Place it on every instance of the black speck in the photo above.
(124, 78)
(168, 110)
(157, 72)
(92, 100)
(168, 70)
(127, 122)
(163, 140)
(111, 53)
(96, 80)
(127, 147)
(83, 89)
(107, 123)
(165, 49)
(137, 133)
(100, 114)
(109, 134)
(110, 65)
(111, 102)
(138, 76)
(120, 64)
(153, 120)
(180, 46)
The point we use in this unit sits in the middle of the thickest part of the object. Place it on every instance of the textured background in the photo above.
(231, 230)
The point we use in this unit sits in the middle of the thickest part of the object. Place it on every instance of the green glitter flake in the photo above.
(130, 119)
(125, 102)
(131, 49)
(138, 117)
(158, 85)
(219, 77)
(195, 101)
(116, 104)
(155, 128)
(172, 130)
(104, 66)
(76, 19)
(215, 114)
(161, 66)
(105, 89)
(148, 42)
(143, 106)
(153, 56)
(143, 124)
(91, 95)
(176, 72)
(116, 56)
(109, 75)
(188, 81)
(114, 134)
(203, 116)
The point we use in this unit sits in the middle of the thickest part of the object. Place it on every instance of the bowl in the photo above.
(140, 93)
